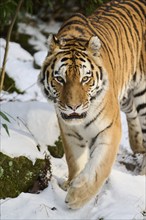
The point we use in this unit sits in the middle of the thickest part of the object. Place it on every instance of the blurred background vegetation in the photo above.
(59, 10)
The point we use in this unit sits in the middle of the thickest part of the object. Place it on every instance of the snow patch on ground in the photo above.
(20, 67)
(32, 124)
(16, 52)
(116, 202)
(19, 143)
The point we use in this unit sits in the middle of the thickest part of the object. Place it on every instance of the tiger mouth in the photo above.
(73, 116)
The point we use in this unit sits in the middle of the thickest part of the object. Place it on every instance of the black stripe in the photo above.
(144, 114)
(80, 16)
(91, 28)
(43, 72)
(140, 107)
(131, 19)
(107, 48)
(64, 64)
(92, 67)
(116, 34)
(46, 91)
(94, 138)
(127, 22)
(94, 119)
(80, 58)
(97, 75)
(68, 23)
(133, 118)
(140, 93)
(116, 17)
(76, 135)
(115, 31)
(79, 136)
(101, 72)
(67, 47)
(134, 76)
(53, 63)
(65, 53)
(64, 59)
(130, 109)
(45, 67)
(98, 92)
(135, 8)
(47, 76)
(82, 145)
(143, 130)
(80, 30)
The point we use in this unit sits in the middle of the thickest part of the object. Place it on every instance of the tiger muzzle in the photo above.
(73, 115)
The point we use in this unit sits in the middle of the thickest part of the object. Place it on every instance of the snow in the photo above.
(115, 202)
(19, 143)
(15, 52)
(35, 122)
(38, 39)
(28, 120)
(39, 57)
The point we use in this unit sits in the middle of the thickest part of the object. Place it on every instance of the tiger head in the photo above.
(72, 77)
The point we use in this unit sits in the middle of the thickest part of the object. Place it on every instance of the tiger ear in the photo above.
(52, 42)
(94, 44)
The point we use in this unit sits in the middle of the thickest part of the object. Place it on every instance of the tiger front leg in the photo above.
(96, 171)
(76, 156)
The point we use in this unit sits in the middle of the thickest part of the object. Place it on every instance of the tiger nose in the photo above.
(74, 107)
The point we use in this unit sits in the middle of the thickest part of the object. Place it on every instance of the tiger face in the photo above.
(72, 79)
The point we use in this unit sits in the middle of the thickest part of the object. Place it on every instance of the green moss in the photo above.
(19, 174)
(1, 171)
(57, 150)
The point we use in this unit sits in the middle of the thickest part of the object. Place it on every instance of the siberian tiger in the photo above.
(96, 66)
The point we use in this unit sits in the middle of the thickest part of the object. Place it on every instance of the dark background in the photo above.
(59, 10)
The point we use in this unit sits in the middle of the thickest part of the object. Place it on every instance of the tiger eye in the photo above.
(85, 79)
(59, 79)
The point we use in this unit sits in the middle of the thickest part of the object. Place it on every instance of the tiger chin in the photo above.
(95, 67)
(73, 117)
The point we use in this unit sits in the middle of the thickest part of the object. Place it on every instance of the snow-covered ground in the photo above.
(35, 122)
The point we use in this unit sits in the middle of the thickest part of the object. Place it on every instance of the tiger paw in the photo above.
(78, 194)
(64, 185)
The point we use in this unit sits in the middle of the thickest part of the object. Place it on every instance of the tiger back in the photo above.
(96, 66)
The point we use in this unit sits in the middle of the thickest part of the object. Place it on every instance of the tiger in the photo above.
(95, 68)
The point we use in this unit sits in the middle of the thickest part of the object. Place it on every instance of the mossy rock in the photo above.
(19, 174)
(57, 150)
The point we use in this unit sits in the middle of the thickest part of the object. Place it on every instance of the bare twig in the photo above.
(7, 44)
